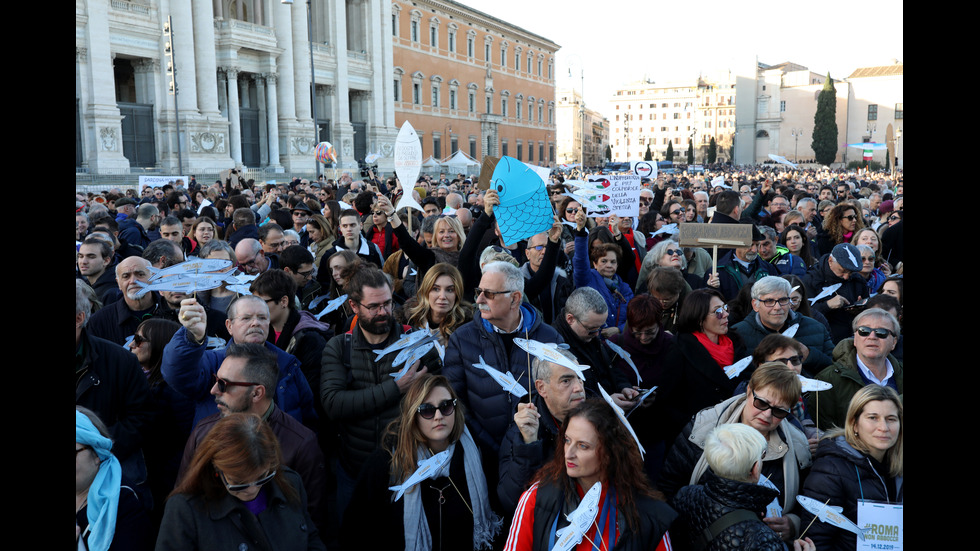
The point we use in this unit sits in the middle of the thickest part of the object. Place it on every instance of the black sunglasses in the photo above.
(879, 332)
(446, 408)
(223, 384)
(762, 405)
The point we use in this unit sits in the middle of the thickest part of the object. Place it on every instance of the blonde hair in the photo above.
(455, 224)
(459, 314)
(876, 393)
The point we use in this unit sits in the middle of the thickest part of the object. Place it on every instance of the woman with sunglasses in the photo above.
(594, 448)
(694, 376)
(237, 490)
(841, 223)
(667, 253)
(567, 209)
(861, 462)
(450, 508)
(771, 393)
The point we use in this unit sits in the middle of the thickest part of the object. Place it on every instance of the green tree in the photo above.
(670, 151)
(648, 156)
(690, 152)
(609, 152)
(824, 142)
(712, 151)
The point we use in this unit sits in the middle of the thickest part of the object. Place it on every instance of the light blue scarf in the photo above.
(103, 494)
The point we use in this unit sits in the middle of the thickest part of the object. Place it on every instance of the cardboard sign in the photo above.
(620, 194)
(644, 169)
(728, 235)
(883, 524)
(160, 181)
(408, 155)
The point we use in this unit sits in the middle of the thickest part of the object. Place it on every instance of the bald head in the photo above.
(129, 271)
(250, 256)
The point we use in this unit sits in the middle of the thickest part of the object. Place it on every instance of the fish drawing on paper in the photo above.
(579, 520)
(427, 469)
(504, 378)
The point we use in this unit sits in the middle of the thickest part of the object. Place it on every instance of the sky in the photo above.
(627, 40)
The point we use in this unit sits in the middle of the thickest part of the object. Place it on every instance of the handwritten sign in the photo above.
(730, 235)
(620, 194)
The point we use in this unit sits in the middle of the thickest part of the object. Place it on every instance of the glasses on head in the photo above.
(792, 360)
(386, 305)
(487, 293)
(721, 311)
(242, 487)
(446, 408)
(770, 302)
(223, 384)
(879, 332)
(762, 405)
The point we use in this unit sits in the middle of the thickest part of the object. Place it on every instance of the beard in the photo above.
(378, 325)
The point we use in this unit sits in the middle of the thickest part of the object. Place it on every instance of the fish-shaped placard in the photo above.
(524, 208)
(813, 385)
(773, 509)
(549, 353)
(626, 357)
(669, 229)
(733, 370)
(408, 158)
(183, 283)
(642, 398)
(410, 355)
(427, 469)
(191, 267)
(331, 306)
(831, 515)
(407, 339)
(791, 330)
(580, 520)
(504, 378)
(622, 417)
(825, 292)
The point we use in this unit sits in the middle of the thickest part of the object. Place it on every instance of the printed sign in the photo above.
(617, 194)
(883, 525)
(160, 181)
(408, 155)
(644, 169)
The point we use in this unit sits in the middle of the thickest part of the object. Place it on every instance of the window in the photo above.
(899, 111)
(517, 107)
(394, 24)
(551, 69)
(539, 71)
(663, 105)
(453, 145)
(417, 93)
(677, 115)
(520, 151)
(489, 103)
(469, 46)
(435, 95)
(437, 147)
(530, 57)
(486, 51)
(872, 112)
(541, 151)
(415, 31)
(540, 113)
(641, 116)
(434, 36)
(503, 56)
(503, 148)
(452, 99)
(617, 118)
(452, 40)
(530, 152)
(503, 106)
(472, 102)
(398, 89)
(551, 114)
(473, 147)
(782, 106)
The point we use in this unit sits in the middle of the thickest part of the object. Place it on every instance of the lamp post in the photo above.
(871, 127)
(796, 133)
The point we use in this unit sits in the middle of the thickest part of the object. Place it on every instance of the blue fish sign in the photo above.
(524, 208)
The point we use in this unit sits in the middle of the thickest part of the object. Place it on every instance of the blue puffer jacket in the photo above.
(190, 369)
(489, 408)
(584, 275)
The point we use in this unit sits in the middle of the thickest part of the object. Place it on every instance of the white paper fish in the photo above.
(621, 415)
(640, 399)
(408, 158)
(504, 379)
(549, 353)
(199, 266)
(851, 256)
(625, 356)
(184, 283)
(427, 469)
(814, 385)
(733, 370)
(831, 515)
(669, 229)
(407, 339)
(440, 349)
(331, 306)
(773, 509)
(240, 288)
(719, 181)
(409, 356)
(825, 292)
(791, 330)
(579, 520)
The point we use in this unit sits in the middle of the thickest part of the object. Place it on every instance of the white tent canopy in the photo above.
(460, 161)
(430, 163)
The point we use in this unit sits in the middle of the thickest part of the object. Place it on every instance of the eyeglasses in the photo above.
(646, 201)
(305, 273)
(386, 305)
(647, 333)
(138, 340)
(538, 248)
(851, 217)
(721, 311)
(672, 252)
(678, 211)
(792, 360)
(879, 332)
(590, 330)
(242, 487)
(770, 302)
(223, 384)
(894, 217)
(489, 294)
(572, 210)
(446, 408)
(762, 405)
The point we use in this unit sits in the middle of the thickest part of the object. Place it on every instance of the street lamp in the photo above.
(796, 133)
(871, 127)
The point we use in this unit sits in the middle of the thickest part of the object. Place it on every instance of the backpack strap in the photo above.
(723, 523)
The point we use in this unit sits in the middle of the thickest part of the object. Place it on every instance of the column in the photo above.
(273, 120)
(234, 118)
(301, 61)
(185, 53)
(103, 131)
(204, 54)
(340, 112)
(284, 39)
(222, 79)
(260, 100)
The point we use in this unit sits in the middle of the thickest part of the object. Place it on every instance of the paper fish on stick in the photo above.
(579, 520)
(524, 208)
(824, 293)
(831, 515)
(427, 469)
(813, 385)
(182, 283)
(626, 357)
(409, 356)
(669, 229)
(201, 266)
(406, 340)
(733, 370)
(504, 378)
(331, 306)
(791, 330)
(549, 353)
(622, 417)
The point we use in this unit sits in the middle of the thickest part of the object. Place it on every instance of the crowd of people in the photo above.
(282, 414)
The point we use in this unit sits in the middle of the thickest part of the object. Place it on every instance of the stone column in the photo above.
(284, 39)
(301, 61)
(273, 120)
(207, 67)
(260, 85)
(103, 128)
(343, 133)
(234, 118)
(222, 79)
(185, 52)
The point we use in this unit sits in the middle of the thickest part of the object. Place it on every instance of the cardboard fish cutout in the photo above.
(190, 267)
(504, 379)
(427, 469)
(825, 292)
(831, 515)
(625, 356)
(549, 353)
(579, 520)
(813, 385)
(622, 417)
(733, 370)
(408, 157)
(524, 208)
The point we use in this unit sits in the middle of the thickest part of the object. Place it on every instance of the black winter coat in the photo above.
(703, 504)
(594, 354)
(843, 475)
(820, 276)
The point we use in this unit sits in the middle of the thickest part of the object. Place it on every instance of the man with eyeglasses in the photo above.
(579, 324)
(245, 383)
(841, 265)
(740, 266)
(297, 262)
(548, 285)
(189, 367)
(252, 258)
(501, 317)
(861, 360)
(772, 313)
(357, 389)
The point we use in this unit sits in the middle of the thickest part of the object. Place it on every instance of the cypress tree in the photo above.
(824, 142)
(648, 156)
(690, 152)
(712, 151)
(670, 151)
